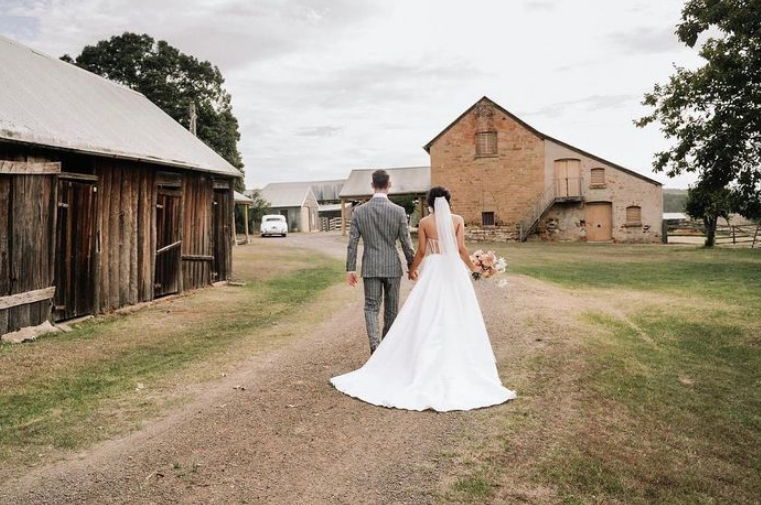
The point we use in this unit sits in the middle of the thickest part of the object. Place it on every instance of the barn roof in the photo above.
(327, 190)
(539, 134)
(404, 181)
(51, 103)
(241, 199)
(286, 194)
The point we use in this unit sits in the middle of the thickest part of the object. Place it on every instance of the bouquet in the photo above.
(490, 264)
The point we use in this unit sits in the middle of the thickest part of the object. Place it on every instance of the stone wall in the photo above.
(510, 181)
(621, 188)
(491, 233)
(504, 184)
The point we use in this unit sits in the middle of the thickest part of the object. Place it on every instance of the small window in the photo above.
(634, 215)
(487, 218)
(486, 144)
(598, 177)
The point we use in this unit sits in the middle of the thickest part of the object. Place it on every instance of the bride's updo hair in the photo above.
(436, 192)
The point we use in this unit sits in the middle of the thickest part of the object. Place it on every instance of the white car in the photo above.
(274, 224)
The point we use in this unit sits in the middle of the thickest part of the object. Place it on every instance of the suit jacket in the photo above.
(380, 223)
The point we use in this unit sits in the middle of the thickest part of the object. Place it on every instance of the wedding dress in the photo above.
(437, 354)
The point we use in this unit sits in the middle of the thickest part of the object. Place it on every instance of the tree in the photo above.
(255, 212)
(409, 203)
(173, 81)
(708, 204)
(713, 113)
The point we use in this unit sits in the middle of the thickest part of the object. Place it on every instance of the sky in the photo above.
(321, 87)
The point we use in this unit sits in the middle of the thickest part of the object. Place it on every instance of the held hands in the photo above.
(413, 275)
(351, 278)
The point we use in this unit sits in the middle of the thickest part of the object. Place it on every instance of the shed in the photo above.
(415, 181)
(295, 201)
(244, 202)
(105, 200)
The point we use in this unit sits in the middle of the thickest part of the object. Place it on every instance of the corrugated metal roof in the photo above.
(326, 191)
(407, 180)
(286, 194)
(242, 199)
(48, 102)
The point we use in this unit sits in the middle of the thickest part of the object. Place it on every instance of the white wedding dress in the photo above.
(437, 354)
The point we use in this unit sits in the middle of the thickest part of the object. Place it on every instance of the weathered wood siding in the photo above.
(124, 231)
(27, 243)
(197, 254)
(127, 233)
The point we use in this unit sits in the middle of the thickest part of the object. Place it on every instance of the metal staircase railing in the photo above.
(559, 190)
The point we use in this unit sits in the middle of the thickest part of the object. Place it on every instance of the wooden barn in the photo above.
(105, 200)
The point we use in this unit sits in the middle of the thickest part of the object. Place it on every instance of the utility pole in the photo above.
(193, 118)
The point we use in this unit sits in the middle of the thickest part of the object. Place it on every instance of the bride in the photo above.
(437, 354)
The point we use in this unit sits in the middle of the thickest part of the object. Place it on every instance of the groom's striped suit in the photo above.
(380, 223)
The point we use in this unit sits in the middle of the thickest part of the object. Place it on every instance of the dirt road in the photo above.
(290, 438)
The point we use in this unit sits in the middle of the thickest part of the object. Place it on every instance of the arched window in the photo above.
(598, 177)
(634, 215)
(486, 143)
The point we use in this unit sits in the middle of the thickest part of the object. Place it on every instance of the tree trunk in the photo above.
(710, 223)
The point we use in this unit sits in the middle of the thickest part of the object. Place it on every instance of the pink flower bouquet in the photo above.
(490, 264)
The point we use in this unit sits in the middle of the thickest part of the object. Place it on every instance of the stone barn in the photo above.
(510, 181)
(105, 200)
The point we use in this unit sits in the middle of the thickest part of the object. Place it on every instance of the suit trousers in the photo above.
(377, 289)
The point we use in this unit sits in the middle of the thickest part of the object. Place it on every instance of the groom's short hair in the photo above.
(380, 179)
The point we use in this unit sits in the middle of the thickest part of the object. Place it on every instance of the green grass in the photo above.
(472, 488)
(722, 274)
(60, 407)
(672, 405)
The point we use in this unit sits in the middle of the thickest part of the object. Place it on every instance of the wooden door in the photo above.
(599, 219)
(221, 235)
(76, 249)
(168, 242)
(568, 178)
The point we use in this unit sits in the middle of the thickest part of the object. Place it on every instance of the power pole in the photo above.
(193, 118)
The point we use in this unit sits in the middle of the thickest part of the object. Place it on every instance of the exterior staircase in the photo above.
(567, 189)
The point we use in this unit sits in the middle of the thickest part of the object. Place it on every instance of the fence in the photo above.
(747, 235)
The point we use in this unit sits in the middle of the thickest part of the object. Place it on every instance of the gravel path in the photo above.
(290, 438)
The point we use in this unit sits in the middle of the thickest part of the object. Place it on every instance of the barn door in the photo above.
(76, 248)
(168, 242)
(599, 219)
(221, 235)
(568, 178)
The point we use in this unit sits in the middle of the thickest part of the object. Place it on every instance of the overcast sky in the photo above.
(324, 86)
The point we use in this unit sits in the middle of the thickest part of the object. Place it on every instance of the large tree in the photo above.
(712, 113)
(173, 81)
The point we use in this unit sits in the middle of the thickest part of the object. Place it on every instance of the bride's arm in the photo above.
(420, 254)
(464, 254)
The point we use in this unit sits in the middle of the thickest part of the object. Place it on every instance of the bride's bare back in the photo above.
(428, 240)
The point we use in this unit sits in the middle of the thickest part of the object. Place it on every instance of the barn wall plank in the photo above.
(115, 238)
(5, 236)
(104, 187)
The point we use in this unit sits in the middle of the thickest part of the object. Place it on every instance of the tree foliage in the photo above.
(713, 113)
(172, 80)
(255, 212)
(708, 204)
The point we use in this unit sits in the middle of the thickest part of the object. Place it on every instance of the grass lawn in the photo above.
(110, 374)
(670, 387)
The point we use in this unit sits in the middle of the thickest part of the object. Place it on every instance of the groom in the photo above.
(380, 223)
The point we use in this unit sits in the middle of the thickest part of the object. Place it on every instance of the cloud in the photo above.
(318, 131)
(589, 103)
(539, 5)
(230, 33)
(645, 40)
